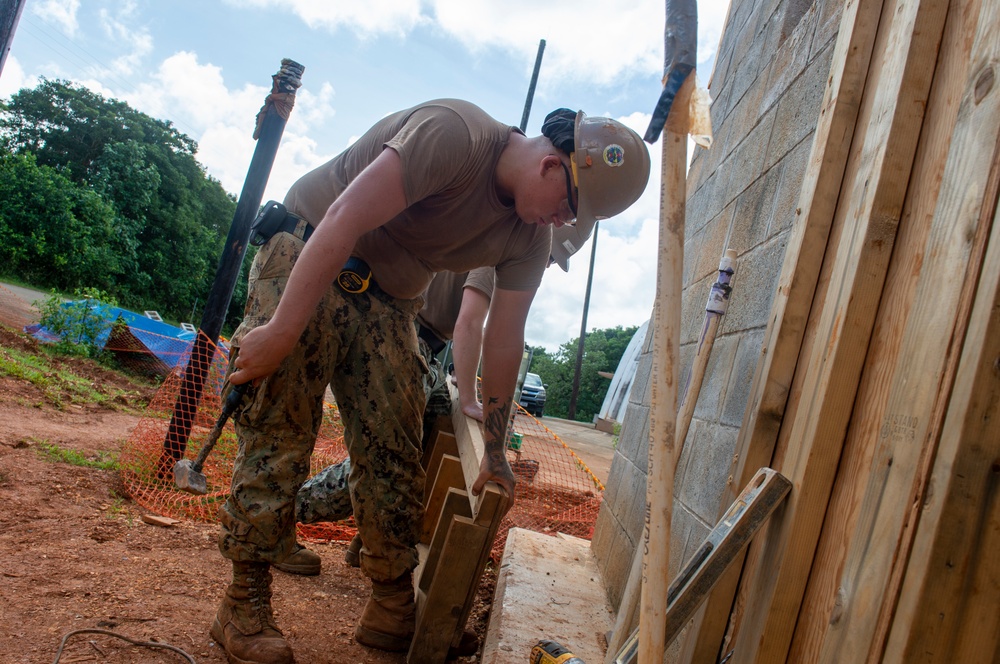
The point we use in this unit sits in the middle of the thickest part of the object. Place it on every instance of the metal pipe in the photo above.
(270, 126)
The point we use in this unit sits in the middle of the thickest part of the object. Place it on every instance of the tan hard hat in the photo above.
(610, 166)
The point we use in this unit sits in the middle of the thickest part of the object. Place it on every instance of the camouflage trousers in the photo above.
(326, 496)
(365, 348)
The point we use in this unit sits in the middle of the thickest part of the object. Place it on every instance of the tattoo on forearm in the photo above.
(496, 423)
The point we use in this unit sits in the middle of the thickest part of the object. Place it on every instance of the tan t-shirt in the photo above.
(455, 221)
(443, 298)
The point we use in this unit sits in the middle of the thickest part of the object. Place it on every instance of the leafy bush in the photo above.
(77, 323)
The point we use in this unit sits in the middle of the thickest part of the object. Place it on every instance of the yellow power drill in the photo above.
(550, 652)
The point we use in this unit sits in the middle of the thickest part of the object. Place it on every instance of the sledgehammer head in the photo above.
(188, 479)
(187, 474)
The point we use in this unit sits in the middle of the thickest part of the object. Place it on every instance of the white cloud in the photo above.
(589, 39)
(121, 28)
(369, 18)
(312, 108)
(222, 121)
(180, 75)
(62, 13)
(14, 78)
(585, 39)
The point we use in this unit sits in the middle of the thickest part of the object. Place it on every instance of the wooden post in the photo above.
(663, 408)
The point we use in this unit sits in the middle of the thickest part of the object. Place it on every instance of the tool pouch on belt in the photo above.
(270, 220)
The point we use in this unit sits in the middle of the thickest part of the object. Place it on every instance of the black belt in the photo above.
(291, 222)
(433, 340)
(274, 218)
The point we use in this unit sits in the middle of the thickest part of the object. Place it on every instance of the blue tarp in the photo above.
(171, 345)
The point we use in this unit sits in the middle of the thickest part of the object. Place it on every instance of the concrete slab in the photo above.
(548, 588)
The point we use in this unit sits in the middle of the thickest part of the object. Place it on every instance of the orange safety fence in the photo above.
(556, 492)
(142, 454)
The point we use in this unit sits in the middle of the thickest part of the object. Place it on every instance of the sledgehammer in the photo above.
(187, 474)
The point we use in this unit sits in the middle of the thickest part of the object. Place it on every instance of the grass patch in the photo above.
(60, 386)
(104, 460)
(118, 508)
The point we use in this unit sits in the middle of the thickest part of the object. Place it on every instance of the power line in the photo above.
(83, 64)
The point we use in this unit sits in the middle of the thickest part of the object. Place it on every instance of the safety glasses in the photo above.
(571, 193)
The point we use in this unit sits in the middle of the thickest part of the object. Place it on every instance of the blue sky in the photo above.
(206, 66)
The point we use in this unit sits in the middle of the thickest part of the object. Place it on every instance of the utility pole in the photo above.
(526, 355)
(583, 328)
(10, 14)
(531, 86)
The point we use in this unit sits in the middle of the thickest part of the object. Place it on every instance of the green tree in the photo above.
(602, 351)
(53, 232)
(169, 219)
(69, 127)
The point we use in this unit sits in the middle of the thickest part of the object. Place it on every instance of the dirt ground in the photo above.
(77, 555)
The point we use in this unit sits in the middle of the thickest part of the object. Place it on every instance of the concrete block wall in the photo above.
(771, 68)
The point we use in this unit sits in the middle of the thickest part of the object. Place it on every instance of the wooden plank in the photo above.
(448, 476)
(471, 447)
(493, 507)
(438, 624)
(456, 503)
(797, 285)
(443, 443)
(490, 532)
(811, 439)
(947, 611)
(896, 364)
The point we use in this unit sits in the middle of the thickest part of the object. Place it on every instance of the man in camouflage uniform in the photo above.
(440, 186)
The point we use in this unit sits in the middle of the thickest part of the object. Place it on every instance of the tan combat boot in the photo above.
(353, 554)
(389, 617)
(302, 561)
(244, 625)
